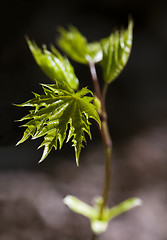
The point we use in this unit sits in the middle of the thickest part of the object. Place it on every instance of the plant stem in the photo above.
(108, 158)
(105, 136)
(95, 80)
(108, 151)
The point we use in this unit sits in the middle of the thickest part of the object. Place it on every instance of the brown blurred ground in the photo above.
(31, 205)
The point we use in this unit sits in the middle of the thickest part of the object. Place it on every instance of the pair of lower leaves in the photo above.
(100, 224)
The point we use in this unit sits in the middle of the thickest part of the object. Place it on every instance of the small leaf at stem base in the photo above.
(100, 224)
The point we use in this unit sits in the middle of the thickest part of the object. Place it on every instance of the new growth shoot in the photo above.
(64, 111)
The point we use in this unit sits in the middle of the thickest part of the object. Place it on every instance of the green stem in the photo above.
(105, 136)
(108, 151)
(108, 158)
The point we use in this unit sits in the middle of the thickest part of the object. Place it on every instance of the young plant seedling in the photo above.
(64, 111)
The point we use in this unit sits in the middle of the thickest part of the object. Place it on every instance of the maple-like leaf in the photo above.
(58, 115)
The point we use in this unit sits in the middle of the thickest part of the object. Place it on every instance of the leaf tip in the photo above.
(131, 21)
(27, 38)
(18, 143)
(67, 200)
(137, 202)
(41, 160)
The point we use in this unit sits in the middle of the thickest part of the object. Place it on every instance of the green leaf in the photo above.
(123, 207)
(75, 45)
(116, 50)
(99, 224)
(80, 207)
(56, 67)
(60, 114)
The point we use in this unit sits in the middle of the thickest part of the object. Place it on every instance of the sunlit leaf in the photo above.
(123, 207)
(75, 45)
(80, 207)
(116, 50)
(60, 114)
(56, 67)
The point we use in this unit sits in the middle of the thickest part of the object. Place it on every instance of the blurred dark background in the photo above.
(30, 193)
(135, 100)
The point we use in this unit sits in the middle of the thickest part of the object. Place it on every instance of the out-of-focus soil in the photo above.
(31, 206)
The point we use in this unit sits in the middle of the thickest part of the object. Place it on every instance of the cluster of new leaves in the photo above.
(63, 113)
(112, 52)
(58, 112)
